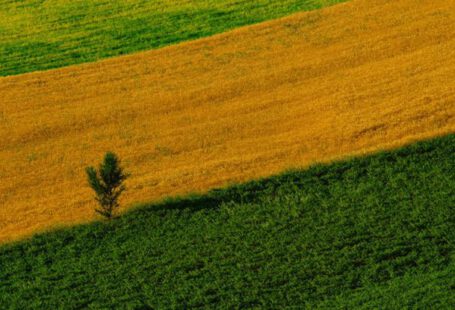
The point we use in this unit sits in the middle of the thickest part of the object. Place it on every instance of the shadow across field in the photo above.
(370, 232)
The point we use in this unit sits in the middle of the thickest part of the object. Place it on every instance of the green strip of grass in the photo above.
(370, 232)
(38, 35)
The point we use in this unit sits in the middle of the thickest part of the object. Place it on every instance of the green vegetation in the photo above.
(39, 35)
(107, 183)
(372, 232)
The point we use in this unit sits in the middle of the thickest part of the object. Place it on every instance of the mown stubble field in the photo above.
(313, 87)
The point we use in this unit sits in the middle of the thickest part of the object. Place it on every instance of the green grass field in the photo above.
(39, 35)
(372, 232)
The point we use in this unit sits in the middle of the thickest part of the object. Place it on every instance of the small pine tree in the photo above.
(107, 183)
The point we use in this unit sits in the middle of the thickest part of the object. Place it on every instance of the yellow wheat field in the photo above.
(312, 87)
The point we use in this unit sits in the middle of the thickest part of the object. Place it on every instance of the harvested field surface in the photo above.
(38, 35)
(313, 87)
(372, 233)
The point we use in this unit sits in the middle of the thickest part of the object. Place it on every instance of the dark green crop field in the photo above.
(372, 232)
(38, 35)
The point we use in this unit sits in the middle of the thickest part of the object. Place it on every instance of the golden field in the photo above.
(312, 87)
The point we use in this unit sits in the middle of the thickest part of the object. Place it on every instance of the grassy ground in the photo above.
(373, 232)
(38, 35)
(311, 87)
